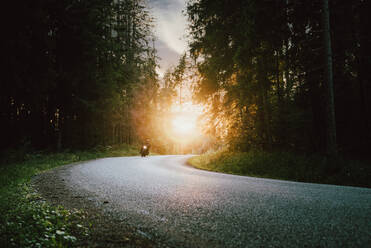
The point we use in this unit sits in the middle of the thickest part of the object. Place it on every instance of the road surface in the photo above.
(187, 207)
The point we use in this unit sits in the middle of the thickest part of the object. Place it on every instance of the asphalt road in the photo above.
(186, 207)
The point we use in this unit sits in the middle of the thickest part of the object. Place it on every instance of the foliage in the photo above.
(154, 108)
(71, 70)
(287, 166)
(262, 79)
(25, 219)
(33, 223)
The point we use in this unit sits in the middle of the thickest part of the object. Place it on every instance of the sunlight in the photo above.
(184, 124)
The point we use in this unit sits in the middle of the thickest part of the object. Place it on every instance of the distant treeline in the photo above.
(262, 68)
(70, 71)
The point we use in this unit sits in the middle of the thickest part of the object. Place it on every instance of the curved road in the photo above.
(187, 207)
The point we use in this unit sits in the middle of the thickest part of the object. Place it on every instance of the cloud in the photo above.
(168, 57)
(170, 29)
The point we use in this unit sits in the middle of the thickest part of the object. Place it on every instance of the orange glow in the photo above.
(184, 124)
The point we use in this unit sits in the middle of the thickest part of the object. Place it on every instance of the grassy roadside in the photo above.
(286, 166)
(28, 221)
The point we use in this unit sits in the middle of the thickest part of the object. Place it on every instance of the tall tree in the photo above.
(331, 144)
(71, 68)
(265, 82)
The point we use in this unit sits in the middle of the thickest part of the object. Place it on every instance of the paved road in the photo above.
(187, 207)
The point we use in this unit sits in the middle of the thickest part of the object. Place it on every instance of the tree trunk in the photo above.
(331, 145)
(59, 140)
(364, 78)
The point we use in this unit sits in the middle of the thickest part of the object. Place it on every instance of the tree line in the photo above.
(263, 70)
(71, 71)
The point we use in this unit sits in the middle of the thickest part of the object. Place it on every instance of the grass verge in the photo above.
(286, 166)
(28, 221)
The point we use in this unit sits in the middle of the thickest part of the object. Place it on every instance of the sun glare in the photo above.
(184, 124)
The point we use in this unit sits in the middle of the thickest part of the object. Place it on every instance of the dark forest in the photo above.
(272, 75)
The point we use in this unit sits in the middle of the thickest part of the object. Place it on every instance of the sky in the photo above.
(170, 25)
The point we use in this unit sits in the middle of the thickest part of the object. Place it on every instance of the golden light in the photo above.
(181, 129)
(184, 124)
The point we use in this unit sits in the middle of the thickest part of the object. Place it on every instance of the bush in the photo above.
(287, 166)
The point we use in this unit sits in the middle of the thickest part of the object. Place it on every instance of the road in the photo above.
(186, 207)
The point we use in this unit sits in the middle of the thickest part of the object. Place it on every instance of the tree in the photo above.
(71, 69)
(265, 82)
(330, 106)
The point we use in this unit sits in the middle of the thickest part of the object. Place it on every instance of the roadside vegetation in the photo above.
(265, 85)
(286, 166)
(26, 220)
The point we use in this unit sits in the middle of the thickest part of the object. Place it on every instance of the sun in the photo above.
(184, 124)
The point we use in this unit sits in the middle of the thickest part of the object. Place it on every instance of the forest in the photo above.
(284, 75)
(278, 89)
(271, 75)
(71, 72)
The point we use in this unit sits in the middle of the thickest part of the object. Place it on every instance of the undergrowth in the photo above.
(31, 222)
(286, 166)
(26, 220)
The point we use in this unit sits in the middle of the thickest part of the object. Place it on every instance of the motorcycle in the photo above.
(144, 151)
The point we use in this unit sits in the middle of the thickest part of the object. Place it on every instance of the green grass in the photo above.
(28, 221)
(286, 166)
